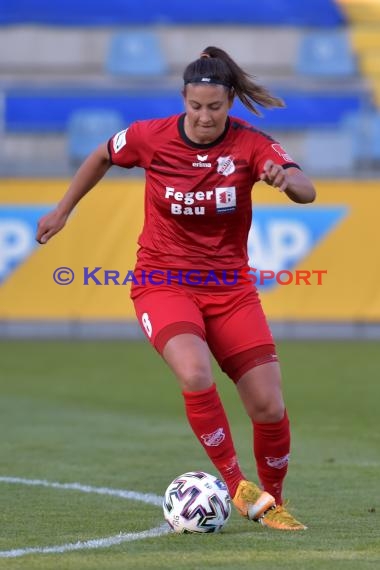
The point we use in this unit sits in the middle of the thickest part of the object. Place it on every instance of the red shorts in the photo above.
(232, 322)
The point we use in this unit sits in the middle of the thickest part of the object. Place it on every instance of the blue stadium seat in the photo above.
(87, 128)
(359, 125)
(329, 152)
(376, 138)
(364, 127)
(129, 12)
(135, 53)
(326, 53)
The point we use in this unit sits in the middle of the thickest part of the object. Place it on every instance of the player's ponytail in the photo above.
(216, 66)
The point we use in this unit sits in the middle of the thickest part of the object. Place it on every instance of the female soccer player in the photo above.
(200, 168)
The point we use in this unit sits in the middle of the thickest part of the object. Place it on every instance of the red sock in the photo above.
(271, 449)
(209, 422)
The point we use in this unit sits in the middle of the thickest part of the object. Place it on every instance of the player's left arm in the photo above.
(296, 185)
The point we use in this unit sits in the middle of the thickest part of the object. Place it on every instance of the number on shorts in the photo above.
(146, 324)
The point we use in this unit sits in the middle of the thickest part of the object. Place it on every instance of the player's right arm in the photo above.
(89, 173)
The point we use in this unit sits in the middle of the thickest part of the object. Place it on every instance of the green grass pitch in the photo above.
(110, 414)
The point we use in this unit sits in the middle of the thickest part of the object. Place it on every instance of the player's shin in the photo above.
(209, 423)
(271, 449)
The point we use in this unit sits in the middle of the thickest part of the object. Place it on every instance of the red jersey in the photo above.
(198, 208)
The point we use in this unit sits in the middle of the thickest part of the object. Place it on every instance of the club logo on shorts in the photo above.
(215, 438)
(226, 165)
(278, 462)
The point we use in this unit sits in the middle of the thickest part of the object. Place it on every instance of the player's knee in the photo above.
(195, 377)
(268, 412)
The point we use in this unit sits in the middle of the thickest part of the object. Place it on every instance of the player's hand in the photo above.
(49, 225)
(274, 175)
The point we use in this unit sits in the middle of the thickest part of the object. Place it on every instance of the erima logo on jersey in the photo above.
(119, 140)
(282, 236)
(226, 165)
(202, 161)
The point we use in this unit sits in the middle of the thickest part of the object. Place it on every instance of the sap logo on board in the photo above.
(281, 237)
(18, 226)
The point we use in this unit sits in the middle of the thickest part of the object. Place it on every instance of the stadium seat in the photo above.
(326, 53)
(376, 139)
(358, 125)
(364, 127)
(135, 53)
(126, 12)
(87, 128)
(329, 152)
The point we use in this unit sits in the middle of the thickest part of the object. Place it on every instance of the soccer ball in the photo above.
(197, 502)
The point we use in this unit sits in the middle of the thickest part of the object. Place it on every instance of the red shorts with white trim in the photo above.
(232, 322)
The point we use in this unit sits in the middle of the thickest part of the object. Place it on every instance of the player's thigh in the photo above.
(166, 311)
(241, 327)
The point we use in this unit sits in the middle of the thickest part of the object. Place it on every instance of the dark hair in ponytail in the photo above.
(215, 66)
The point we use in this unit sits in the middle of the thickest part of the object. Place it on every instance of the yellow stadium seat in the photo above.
(369, 63)
(365, 38)
(376, 93)
(357, 2)
(364, 17)
(362, 13)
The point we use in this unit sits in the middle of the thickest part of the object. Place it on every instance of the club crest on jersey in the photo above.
(226, 165)
(225, 199)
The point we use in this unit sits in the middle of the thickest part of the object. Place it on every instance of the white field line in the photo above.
(92, 543)
(87, 544)
(148, 498)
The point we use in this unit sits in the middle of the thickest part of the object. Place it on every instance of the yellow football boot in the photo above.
(280, 519)
(251, 501)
